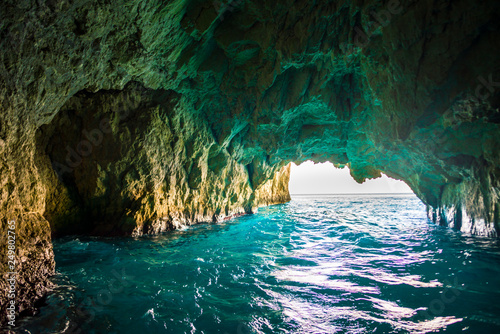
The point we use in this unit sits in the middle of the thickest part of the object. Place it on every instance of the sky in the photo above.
(324, 178)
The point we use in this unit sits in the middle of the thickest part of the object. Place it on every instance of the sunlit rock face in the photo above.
(135, 161)
(139, 117)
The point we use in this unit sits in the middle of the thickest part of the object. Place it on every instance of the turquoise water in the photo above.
(330, 264)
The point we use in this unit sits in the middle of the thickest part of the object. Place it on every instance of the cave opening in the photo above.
(309, 178)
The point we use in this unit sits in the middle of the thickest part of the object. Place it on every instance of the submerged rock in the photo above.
(146, 116)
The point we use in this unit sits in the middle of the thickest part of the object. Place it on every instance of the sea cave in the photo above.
(145, 139)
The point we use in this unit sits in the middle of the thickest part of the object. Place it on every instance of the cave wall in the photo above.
(140, 116)
(133, 161)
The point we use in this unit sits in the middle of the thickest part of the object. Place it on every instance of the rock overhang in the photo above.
(202, 105)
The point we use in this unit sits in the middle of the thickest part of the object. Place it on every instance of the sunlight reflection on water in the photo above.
(331, 264)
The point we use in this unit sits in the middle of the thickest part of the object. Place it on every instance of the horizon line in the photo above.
(408, 193)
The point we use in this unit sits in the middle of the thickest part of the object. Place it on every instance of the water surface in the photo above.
(319, 264)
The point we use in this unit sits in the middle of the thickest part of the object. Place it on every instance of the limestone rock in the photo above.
(141, 116)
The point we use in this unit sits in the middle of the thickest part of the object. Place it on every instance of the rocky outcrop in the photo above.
(140, 117)
(134, 161)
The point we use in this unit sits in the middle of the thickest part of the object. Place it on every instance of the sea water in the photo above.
(319, 264)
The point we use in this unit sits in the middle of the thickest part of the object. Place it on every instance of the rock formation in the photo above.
(138, 117)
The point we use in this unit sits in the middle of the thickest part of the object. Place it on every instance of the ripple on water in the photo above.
(331, 264)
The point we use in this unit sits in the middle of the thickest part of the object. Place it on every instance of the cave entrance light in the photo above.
(323, 178)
